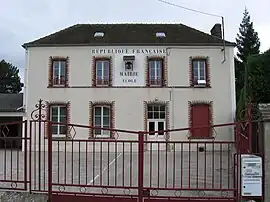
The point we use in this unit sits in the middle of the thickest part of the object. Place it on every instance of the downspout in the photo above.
(172, 101)
(25, 94)
(223, 36)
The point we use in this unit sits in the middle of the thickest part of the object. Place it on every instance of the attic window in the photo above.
(160, 35)
(99, 34)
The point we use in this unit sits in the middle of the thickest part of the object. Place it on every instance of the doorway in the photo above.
(156, 121)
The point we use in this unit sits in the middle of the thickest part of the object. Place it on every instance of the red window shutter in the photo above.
(200, 114)
(110, 72)
(94, 69)
(192, 75)
(147, 73)
(66, 74)
(50, 84)
(207, 74)
(163, 72)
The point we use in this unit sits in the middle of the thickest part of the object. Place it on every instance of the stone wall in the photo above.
(265, 110)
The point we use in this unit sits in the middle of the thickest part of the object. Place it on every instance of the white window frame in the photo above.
(199, 68)
(156, 120)
(155, 77)
(102, 134)
(102, 72)
(58, 62)
(58, 119)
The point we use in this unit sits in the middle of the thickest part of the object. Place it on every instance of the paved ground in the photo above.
(121, 169)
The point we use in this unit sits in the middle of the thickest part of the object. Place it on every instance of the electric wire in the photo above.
(190, 9)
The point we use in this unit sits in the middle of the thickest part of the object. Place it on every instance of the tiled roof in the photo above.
(11, 102)
(128, 34)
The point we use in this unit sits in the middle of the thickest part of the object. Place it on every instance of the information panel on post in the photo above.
(251, 175)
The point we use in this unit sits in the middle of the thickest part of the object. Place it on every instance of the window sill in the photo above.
(101, 138)
(201, 138)
(200, 86)
(60, 137)
(102, 86)
(58, 86)
(156, 86)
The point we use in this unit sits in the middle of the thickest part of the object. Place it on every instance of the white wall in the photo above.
(129, 101)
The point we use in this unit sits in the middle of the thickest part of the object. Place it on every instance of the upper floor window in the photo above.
(102, 72)
(155, 72)
(58, 72)
(199, 72)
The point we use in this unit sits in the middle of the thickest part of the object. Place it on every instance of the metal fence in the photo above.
(129, 167)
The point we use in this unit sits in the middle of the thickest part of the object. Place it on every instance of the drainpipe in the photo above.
(172, 101)
(172, 113)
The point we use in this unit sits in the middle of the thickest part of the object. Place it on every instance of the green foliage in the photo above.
(243, 97)
(10, 81)
(248, 42)
(259, 77)
(240, 77)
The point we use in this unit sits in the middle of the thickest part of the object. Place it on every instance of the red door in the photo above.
(200, 116)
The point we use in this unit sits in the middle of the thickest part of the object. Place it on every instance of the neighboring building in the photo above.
(11, 117)
(134, 77)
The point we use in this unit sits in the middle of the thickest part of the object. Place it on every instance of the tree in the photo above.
(247, 41)
(248, 44)
(10, 81)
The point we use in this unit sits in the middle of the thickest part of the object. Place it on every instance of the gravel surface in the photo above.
(22, 197)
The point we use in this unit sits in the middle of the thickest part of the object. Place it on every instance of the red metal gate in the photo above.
(131, 167)
(13, 158)
(131, 170)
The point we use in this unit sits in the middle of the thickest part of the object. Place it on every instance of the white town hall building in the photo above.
(142, 77)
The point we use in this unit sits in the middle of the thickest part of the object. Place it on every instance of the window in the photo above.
(199, 72)
(200, 117)
(155, 72)
(99, 34)
(102, 72)
(58, 113)
(160, 35)
(59, 72)
(156, 118)
(102, 119)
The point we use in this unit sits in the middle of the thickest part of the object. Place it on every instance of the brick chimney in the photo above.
(216, 31)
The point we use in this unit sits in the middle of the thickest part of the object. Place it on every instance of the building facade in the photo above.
(141, 77)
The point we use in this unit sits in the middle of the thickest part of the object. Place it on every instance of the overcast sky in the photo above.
(26, 20)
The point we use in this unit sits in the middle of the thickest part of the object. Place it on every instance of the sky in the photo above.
(26, 20)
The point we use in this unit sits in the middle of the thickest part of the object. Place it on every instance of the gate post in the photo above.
(249, 117)
(140, 165)
(49, 162)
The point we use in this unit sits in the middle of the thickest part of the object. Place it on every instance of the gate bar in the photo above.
(140, 166)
